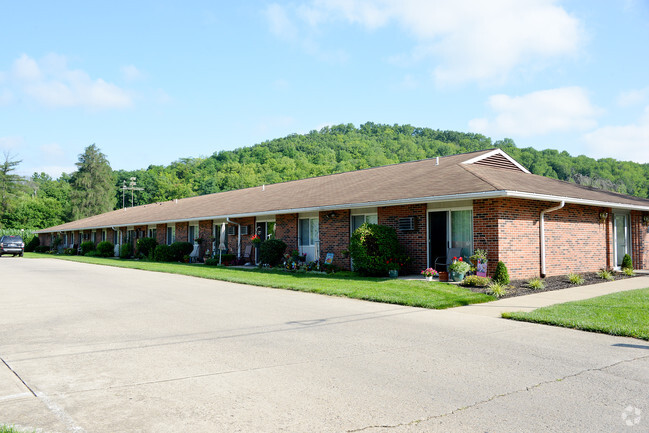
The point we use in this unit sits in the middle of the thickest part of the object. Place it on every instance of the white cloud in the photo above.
(633, 97)
(51, 83)
(54, 170)
(131, 73)
(465, 40)
(546, 111)
(626, 142)
(52, 150)
(279, 22)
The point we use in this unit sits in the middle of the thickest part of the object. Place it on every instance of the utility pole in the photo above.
(131, 186)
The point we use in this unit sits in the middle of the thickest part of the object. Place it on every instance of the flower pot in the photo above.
(393, 273)
(443, 276)
(456, 276)
(429, 278)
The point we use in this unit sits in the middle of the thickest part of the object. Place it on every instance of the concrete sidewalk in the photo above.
(543, 299)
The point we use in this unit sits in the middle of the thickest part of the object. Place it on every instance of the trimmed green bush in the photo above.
(211, 262)
(86, 247)
(627, 263)
(32, 244)
(501, 275)
(180, 250)
(106, 249)
(126, 251)
(41, 249)
(271, 252)
(374, 248)
(162, 253)
(146, 246)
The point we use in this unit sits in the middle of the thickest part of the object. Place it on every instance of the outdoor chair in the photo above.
(442, 262)
(247, 253)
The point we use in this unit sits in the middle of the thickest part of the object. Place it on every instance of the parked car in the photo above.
(12, 245)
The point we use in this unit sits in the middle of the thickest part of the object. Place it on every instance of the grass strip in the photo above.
(624, 314)
(414, 293)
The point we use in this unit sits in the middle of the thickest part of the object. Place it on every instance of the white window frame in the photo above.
(189, 231)
(365, 217)
(171, 227)
(449, 219)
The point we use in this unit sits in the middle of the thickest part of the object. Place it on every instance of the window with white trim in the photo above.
(359, 220)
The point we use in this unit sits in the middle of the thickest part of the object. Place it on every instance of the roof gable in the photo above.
(497, 159)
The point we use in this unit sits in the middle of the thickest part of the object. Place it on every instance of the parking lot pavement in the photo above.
(98, 349)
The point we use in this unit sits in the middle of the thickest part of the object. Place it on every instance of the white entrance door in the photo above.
(621, 237)
(309, 238)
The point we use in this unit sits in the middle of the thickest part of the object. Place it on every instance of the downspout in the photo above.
(542, 233)
(238, 236)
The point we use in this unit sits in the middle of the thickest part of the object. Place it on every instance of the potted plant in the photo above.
(393, 267)
(256, 240)
(429, 273)
(458, 269)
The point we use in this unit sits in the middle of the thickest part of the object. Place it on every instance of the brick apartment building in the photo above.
(485, 199)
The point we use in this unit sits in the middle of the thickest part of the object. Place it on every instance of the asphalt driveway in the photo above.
(88, 348)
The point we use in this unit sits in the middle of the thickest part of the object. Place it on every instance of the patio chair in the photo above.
(443, 261)
(247, 253)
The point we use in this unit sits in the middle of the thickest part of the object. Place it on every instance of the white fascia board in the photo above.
(497, 152)
(416, 200)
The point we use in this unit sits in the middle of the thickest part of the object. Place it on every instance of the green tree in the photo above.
(93, 185)
(10, 184)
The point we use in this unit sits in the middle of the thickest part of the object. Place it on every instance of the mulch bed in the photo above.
(519, 287)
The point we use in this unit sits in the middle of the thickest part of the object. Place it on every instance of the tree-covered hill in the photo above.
(333, 149)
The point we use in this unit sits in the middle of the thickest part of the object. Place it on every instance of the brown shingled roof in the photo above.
(408, 182)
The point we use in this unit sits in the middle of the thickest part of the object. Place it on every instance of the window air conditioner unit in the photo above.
(244, 230)
(406, 224)
(232, 230)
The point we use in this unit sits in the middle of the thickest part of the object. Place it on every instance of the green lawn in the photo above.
(625, 314)
(413, 293)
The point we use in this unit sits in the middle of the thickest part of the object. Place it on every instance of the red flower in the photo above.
(460, 259)
(454, 258)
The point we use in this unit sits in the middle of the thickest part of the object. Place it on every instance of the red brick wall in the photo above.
(182, 231)
(205, 233)
(639, 241)
(161, 234)
(414, 241)
(508, 229)
(334, 236)
(286, 230)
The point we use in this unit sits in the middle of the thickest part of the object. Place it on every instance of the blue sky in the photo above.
(152, 82)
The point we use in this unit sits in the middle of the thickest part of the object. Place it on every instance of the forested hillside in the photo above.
(44, 201)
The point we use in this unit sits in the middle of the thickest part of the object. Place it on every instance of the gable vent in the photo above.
(406, 224)
(497, 161)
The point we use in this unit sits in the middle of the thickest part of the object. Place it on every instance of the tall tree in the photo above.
(93, 184)
(10, 184)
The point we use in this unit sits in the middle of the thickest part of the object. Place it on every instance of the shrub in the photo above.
(146, 246)
(126, 251)
(86, 247)
(179, 250)
(536, 284)
(627, 263)
(69, 251)
(475, 281)
(93, 253)
(497, 289)
(628, 272)
(501, 275)
(576, 279)
(212, 262)
(271, 252)
(605, 275)
(372, 247)
(106, 249)
(162, 253)
(32, 244)
(41, 249)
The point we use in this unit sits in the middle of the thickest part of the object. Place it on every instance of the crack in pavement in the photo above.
(497, 396)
